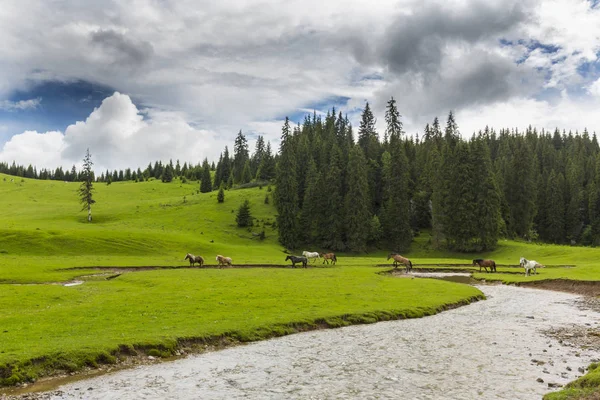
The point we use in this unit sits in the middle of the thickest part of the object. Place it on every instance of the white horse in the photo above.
(529, 265)
(310, 255)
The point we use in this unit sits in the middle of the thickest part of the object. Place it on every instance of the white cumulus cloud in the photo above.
(119, 136)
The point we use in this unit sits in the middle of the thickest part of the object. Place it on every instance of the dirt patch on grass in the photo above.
(169, 267)
(586, 288)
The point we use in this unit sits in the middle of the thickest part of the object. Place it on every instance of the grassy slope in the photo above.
(148, 223)
(49, 326)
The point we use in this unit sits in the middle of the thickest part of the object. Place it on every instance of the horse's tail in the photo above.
(410, 264)
(334, 258)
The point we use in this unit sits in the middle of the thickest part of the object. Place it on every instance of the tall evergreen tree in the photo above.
(240, 156)
(244, 216)
(396, 216)
(86, 189)
(556, 207)
(286, 190)
(206, 183)
(357, 207)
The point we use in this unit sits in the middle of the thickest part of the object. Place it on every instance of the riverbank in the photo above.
(53, 330)
(498, 348)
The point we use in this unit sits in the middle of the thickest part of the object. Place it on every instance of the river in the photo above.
(492, 349)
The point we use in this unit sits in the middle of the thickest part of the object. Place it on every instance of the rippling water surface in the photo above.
(481, 351)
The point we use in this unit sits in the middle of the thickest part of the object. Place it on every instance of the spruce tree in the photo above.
(556, 207)
(240, 156)
(487, 197)
(244, 217)
(334, 235)
(221, 194)
(205, 183)
(396, 216)
(309, 215)
(286, 190)
(167, 175)
(86, 189)
(357, 207)
(246, 173)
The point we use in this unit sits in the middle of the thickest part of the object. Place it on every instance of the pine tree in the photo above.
(246, 173)
(556, 207)
(286, 190)
(357, 207)
(240, 156)
(396, 215)
(205, 183)
(244, 217)
(86, 190)
(167, 175)
(221, 194)
(487, 197)
(309, 215)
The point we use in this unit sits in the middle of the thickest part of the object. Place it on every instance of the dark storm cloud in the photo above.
(441, 57)
(417, 41)
(123, 49)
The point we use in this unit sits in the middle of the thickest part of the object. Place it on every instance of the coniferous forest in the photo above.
(343, 190)
(337, 192)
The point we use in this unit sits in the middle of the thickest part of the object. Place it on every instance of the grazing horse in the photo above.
(485, 264)
(297, 259)
(529, 265)
(314, 255)
(328, 256)
(194, 259)
(223, 261)
(398, 259)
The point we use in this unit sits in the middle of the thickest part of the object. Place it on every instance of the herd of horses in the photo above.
(529, 265)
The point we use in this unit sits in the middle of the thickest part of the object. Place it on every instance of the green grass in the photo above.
(583, 388)
(158, 309)
(45, 327)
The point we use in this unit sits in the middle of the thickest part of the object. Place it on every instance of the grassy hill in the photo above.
(134, 224)
(48, 327)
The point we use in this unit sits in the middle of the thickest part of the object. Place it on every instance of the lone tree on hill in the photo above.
(86, 189)
(221, 194)
(243, 217)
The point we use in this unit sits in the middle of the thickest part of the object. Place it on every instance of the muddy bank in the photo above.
(170, 267)
(515, 345)
(587, 288)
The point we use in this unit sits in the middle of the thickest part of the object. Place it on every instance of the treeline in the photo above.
(236, 169)
(337, 193)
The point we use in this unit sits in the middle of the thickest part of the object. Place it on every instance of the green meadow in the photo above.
(46, 241)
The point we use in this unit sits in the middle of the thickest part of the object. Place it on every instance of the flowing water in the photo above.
(492, 349)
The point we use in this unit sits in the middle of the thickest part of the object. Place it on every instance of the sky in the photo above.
(148, 80)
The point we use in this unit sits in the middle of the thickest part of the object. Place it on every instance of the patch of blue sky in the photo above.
(590, 69)
(321, 106)
(61, 104)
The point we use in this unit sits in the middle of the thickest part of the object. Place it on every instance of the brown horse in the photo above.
(485, 264)
(194, 259)
(398, 259)
(328, 256)
(223, 261)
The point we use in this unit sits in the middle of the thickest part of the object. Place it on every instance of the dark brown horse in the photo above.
(328, 256)
(398, 259)
(194, 259)
(485, 263)
(223, 261)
